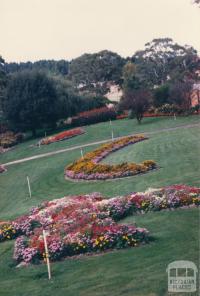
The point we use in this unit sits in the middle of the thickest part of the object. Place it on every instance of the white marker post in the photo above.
(29, 187)
(39, 144)
(112, 136)
(82, 153)
(47, 254)
(110, 122)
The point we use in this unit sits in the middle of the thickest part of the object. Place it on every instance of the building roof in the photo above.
(181, 264)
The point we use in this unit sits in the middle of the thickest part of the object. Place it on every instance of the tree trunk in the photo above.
(198, 97)
(33, 132)
(139, 118)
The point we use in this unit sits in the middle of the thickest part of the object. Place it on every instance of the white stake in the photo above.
(39, 144)
(112, 136)
(174, 116)
(47, 254)
(82, 153)
(29, 187)
(110, 122)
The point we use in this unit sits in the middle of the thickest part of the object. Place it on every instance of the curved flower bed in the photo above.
(89, 168)
(62, 136)
(88, 223)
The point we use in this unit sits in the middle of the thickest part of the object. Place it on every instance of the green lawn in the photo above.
(176, 152)
(97, 132)
(140, 271)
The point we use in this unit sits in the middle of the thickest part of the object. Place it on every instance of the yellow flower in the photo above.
(96, 242)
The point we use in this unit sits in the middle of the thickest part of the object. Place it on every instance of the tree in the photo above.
(89, 102)
(31, 101)
(49, 66)
(136, 96)
(68, 101)
(163, 60)
(3, 82)
(161, 95)
(93, 71)
(180, 94)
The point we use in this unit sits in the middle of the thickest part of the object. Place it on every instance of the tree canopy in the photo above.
(136, 96)
(34, 100)
(161, 95)
(92, 70)
(48, 66)
(180, 94)
(31, 101)
(3, 81)
(163, 60)
(37, 94)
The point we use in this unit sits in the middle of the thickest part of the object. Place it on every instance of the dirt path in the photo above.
(96, 143)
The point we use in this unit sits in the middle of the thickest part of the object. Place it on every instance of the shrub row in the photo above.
(94, 116)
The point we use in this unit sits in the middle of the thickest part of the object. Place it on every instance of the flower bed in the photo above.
(7, 231)
(62, 136)
(9, 139)
(166, 198)
(89, 168)
(75, 225)
(158, 114)
(122, 116)
(88, 223)
(94, 116)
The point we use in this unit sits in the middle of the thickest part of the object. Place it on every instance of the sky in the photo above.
(32, 30)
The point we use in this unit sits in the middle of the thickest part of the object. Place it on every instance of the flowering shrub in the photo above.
(2, 169)
(168, 108)
(7, 231)
(169, 197)
(88, 223)
(122, 116)
(9, 139)
(62, 136)
(23, 225)
(89, 168)
(94, 116)
(74, 225)
(24, 253)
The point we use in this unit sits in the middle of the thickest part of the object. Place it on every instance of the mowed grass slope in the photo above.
(176, 153)
(98, 132)
(137, 271)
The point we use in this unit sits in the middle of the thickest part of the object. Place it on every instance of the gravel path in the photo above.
(96, 143)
